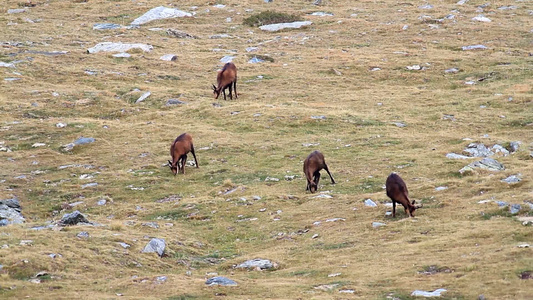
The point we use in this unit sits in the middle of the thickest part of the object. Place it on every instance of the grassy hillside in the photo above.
(346, 85)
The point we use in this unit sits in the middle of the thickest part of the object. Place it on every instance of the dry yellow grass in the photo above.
(204, 230)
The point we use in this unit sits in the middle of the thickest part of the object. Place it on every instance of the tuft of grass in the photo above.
(270, 17)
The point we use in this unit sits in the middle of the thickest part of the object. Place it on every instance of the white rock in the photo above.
(169, 57)
(159, 13)
(6, 65)
(143, 97)
(435, 293)
(118, 47)
(481, 18)
(122, 55)
(38, 145)
(280, 26)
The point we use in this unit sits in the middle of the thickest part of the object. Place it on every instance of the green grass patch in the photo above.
(270, 17)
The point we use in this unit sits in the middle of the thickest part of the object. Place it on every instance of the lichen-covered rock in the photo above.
(258, 263)
(155, 245)
(10, 212)
(486, 163)
(73, 219)
(219, 280)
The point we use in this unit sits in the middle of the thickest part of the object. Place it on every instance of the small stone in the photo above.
(169, 57)
(118, 47)
(84, 140)
(101, 202)
(512, 179)
(143, 97)
(441, 188)
(83, 235)
(159, 13)
(515, 146)
(335, 219)
(256, 198)
(255, 60)
(258, 263)
(370, 203)
(61, 125)
(378, 224)
(219, 280)
(161, 279)
(348, 291)
(124, 245)
(426, 6)
(16, 10)
(314, 236)
(88, 185)
(481, 18)
(515, 208)
(122, 55)
(281, 26)
(334, 275)
(324, 196)
(452, 70)
(271, 179)
(26, 242)
(435, 293)
(251, 49)
(502, 203)
(399, 124)
(155, 245)
(474, 47)
(523, 246)
(318, 117)
(105, 26)
(414, 67)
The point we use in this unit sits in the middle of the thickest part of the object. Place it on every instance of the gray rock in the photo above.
(281, 26)
(462, 2)
(452, 70)
(512, 179)
(106, 26)
(6, 65)
(118, 47)
(486, 163)
(335, 220)
(255, 60)
(83, 235)
(143, 97)
(426, 6)
(73, 219)
(88, 185)
(478, 150)
(179, 34)
(370, 203)
(10, 212)
(151, 225)
(122, 55)
(16, 10)
(161, 279)
(124, 245)
(317, 2)
(474, 47)
(221, 36)
(481, 18)
(457, 156)
(378, 224)
(500, 149)
(515, 146)
(169, 57)
(441, 188)
(155, 245)
(175, 102)
(262, 264)
(321, 14)
(502, 203)
(219, 280)
(251, 49)
(159, 13)
(84, 140)
(515, 208)
(399, 124)
(435, 293)
(226, 59)
(318, 117)
(101, 202)
(324, 196)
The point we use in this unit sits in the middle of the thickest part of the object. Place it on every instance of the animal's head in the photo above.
(312, 187)
(216, 91)
(413, 207)
(173, 168)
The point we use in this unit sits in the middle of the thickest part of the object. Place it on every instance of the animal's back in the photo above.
(316, 158)
(395, 184)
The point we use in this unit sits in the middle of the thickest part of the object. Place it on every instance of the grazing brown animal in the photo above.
(312, 166)
(226, 78)
(178, 150)
(397, 191)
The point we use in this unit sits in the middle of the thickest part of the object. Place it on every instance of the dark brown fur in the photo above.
(178, 150)
(397, 191)
(312, 166)
(226, 78)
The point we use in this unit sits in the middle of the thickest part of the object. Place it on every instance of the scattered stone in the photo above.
(370, 203)
(159, 13)
(61, 125)
(348, 291)
(226, 59)
(106, 26)
(84, 140)
(175, 102)
(325, 196)
(315, 236)
(486, 163)
(118, 47)
(474, 47)
(26, 242)
(281, 26)
(452, 70)
(321, 14)
(414, 67)
(426, 6)
(512, 179)
(318, 117)
(219, 6)
(502, 203)
(481, 18)
(73, 219)
(151, 225)
(221, 36)
(161, 279)
(101, 202)
(526, 220)
(378, 224)
(289, 177)
(334, 275)
(16, 10)
(143, 97)
(155, 245)
(435, 293)
(88, 185)
(179, 34)
(523, 246)
(457, 156)
(124, 245)
(462, 2)
(258, 263)
(500, 149)
(251, 49)
(399, 124)
(169, 57)
(433, 269)
(478, 150)
(255, 60)
(6, 65)
(515, 146)
(47, 53)
(10, 212)
(335, 219)
(441, 188)
(83, 235)
(271, 179)
(515, 208)
(310, 144)
(122, 55)
(507, 7)
(219, 280)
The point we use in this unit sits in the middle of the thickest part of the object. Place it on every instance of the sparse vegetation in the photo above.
(340, 86)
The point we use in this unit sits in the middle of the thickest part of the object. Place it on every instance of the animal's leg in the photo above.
(235, 87)
(183, 163)
(230, 92)
(317, 178)
(194, 155)
(393, 209)
(327, 170)
(224, 91)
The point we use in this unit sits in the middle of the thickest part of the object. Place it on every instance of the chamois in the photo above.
(397, 191)
(312, 166)
(226, 78)
(178, 150)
